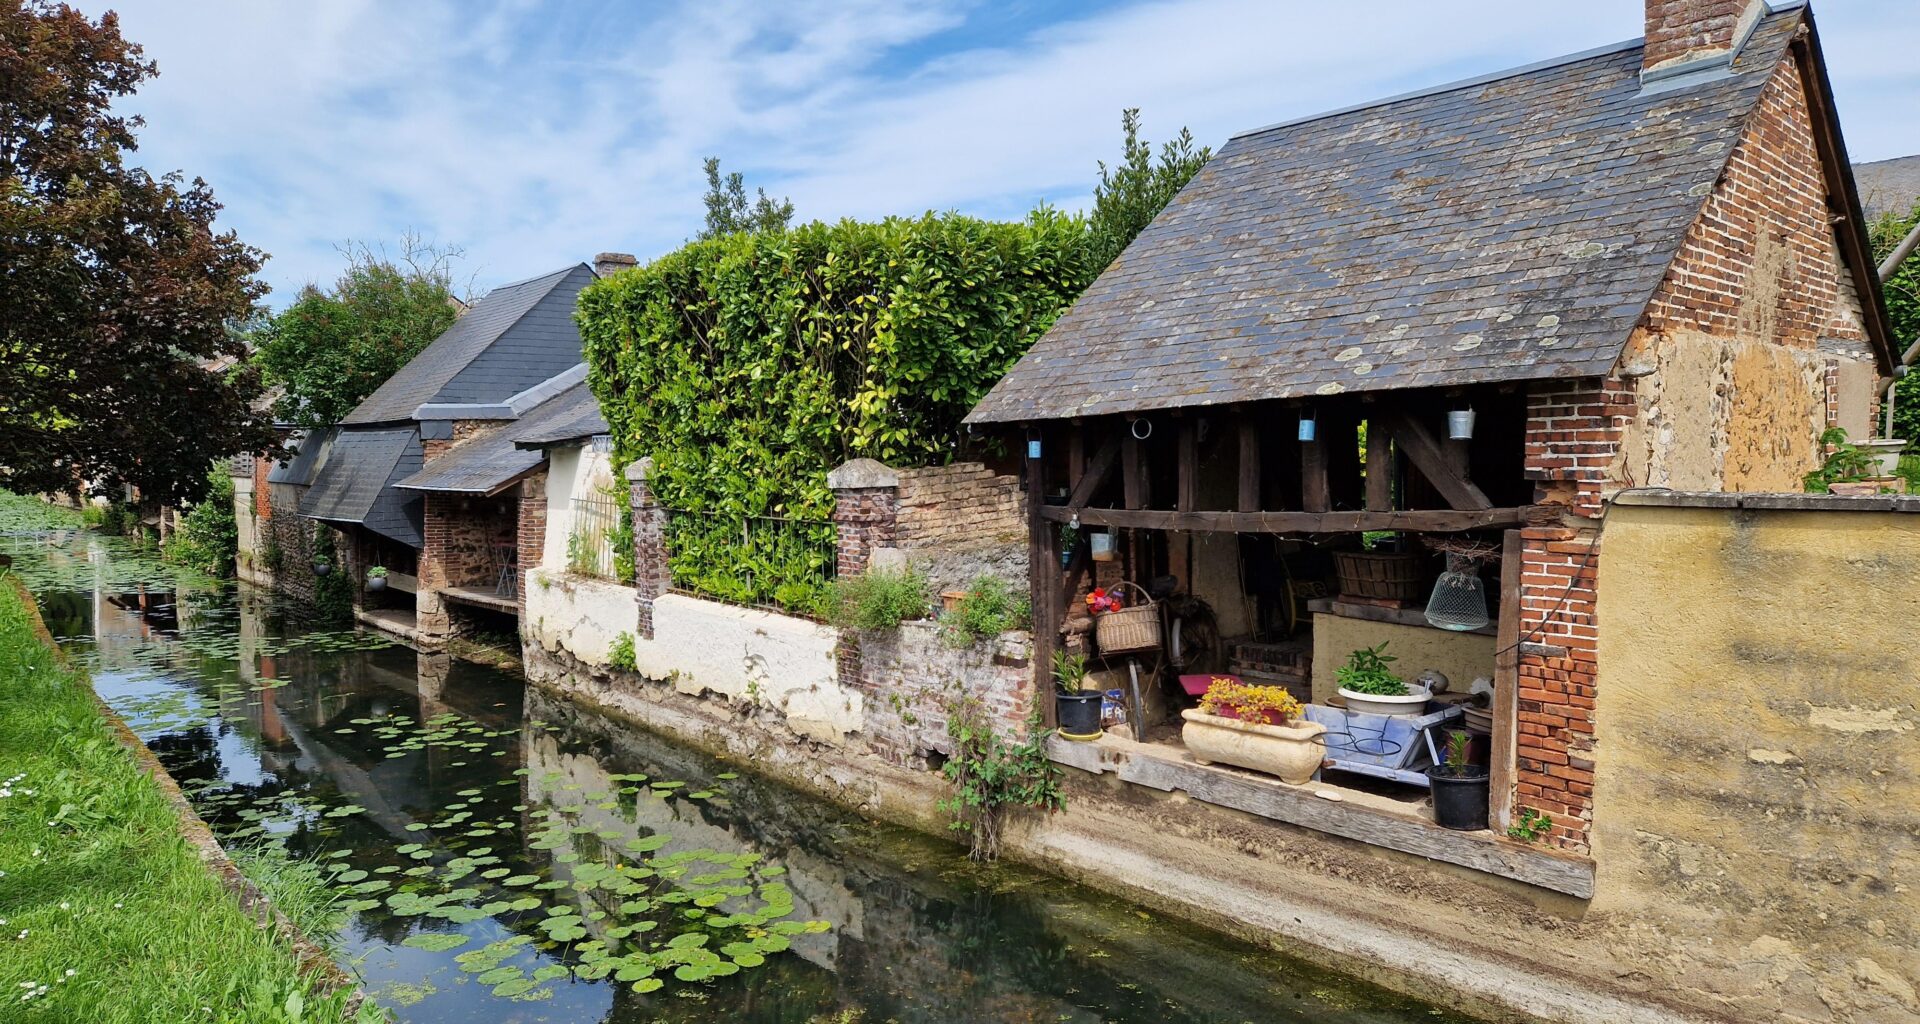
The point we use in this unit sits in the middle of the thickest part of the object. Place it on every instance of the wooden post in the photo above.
(1043, 566)
(1501, 763)
(1340, 446)
(1379, 465)
(1133, 467)
(1188, 497)
(1249, 463)
(1315, 496)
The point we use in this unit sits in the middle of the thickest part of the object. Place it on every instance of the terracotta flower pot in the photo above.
(1293, 751)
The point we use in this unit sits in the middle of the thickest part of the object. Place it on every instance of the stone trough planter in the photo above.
(1293, 751)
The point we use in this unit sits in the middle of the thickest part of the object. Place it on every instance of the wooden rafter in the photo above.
(1249, 490)
(1435, 521)
(1096, 472)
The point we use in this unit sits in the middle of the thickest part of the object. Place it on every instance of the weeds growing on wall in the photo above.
(879, 598)
(748, 366)
(620, 653)
(991, 772)
(990, 608)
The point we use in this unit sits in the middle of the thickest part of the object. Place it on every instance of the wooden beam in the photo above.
(1249, 463)
(1340, 444)
(1095, 472)
(1188, 497)
(1076, 451)
(1302, 522)
(1379, 463)
(1076, 571)
(1133, 468)
(1501, 763)
(1424, 451)
(1043, 564)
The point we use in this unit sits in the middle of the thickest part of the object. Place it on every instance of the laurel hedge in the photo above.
(750, 365)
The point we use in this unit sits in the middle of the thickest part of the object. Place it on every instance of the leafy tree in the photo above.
(1131, 194)
(331, 349)
(116, 364)
(1902, 292)
(728, 210)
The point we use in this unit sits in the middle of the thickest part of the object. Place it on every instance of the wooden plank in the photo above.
(1133, 469)
(1249, 463)
(1379, 463)
(1315, 496)
(1096, 472)
(1167, 770)
(1418, 521)
(1376, 613)
(1502, 764)
(1421, 449)
(1077, 567)
(1188, 497)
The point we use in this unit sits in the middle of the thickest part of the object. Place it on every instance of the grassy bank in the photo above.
(109, 916)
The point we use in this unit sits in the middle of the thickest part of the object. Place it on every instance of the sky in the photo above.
(534, 135)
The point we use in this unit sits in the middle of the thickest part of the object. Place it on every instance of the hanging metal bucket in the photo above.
(1460, 425)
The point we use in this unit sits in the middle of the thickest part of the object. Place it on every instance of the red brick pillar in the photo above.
(650, 574)
(530, 535)
(866, 510)
(430, 617)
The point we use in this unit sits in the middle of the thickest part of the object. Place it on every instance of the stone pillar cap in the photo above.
(862, 474)
(639, 469)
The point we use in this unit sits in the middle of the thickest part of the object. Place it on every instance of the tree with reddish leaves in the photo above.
(118, 364)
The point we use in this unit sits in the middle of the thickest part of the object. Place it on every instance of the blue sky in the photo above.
(535, 134)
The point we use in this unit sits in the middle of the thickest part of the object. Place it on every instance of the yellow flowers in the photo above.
(1228, 697)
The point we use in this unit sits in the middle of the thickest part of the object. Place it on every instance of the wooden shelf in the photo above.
(1375, 613)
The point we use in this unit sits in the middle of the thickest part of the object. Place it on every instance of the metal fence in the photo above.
(600, 528)
(772, 562)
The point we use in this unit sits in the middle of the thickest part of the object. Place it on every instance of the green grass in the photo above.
(104, 904)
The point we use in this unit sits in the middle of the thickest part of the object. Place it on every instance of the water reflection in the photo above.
(418, 777)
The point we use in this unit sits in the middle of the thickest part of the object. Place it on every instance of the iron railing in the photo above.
(771, 562)
(593, 542)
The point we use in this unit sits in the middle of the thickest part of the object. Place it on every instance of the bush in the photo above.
(879, 599)
(748, 366)
(990, 772)
(620, 653)
(989, 609)
(208, 538)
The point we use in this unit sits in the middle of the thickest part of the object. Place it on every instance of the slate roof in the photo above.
(1888, 186)
(490, 462)
(517, 335)
(357, 483)
(582, 420)
(1509, 228)
(308, 456)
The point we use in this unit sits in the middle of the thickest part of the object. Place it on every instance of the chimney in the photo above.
(1685, 33)
(609, 263)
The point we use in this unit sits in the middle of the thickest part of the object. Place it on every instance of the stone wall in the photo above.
(287, 543)
(909, 677)
(1758, 804)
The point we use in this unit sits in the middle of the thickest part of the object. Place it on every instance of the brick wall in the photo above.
(865, 518)
(291, 538)
(1761, 261)
(651, 574)
(461, 538)
(531, 531)
(962, 503)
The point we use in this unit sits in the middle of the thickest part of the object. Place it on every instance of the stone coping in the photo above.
(1772, 501)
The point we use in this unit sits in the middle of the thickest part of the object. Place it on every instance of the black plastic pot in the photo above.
(1459, 796)
(1079, 714)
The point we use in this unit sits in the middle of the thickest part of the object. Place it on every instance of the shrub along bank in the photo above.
(106, 914)
(748, 366)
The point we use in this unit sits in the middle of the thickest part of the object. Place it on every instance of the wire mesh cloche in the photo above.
(1459, 600)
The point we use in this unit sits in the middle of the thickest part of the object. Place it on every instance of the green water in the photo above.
(514, 858)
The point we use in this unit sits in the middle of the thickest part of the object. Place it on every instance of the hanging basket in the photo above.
(1129, 629)
(1382, 575)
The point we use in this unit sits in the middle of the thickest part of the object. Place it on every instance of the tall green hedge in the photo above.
(749, 366)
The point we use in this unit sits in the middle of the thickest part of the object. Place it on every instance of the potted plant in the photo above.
(322, 567)
(377, 579)
(1077, 705)
(1257, 727)
(1371, 688)
(1459, 787)
(1856, 469)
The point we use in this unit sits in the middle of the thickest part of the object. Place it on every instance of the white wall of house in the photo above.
(579, 615)
(572, 472)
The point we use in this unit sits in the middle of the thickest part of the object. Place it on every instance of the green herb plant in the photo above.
(1366, 672)
(1070, 672)
(989, 609)
(620, 653)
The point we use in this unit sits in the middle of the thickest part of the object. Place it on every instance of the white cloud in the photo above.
(534, 135)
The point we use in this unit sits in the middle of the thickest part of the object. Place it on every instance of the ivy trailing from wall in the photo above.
(748, 366)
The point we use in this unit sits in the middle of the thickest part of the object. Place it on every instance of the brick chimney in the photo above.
(609, 263)
(1683, 32)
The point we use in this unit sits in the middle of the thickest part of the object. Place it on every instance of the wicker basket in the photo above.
(1381, 575)
(1129, 629)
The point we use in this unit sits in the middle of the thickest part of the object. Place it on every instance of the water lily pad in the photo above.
(436, 942)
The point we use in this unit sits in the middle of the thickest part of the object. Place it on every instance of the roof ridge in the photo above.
(562, 272)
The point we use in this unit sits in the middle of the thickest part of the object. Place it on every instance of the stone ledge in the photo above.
(1769, 501)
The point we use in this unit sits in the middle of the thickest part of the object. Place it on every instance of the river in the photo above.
(509, 857)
